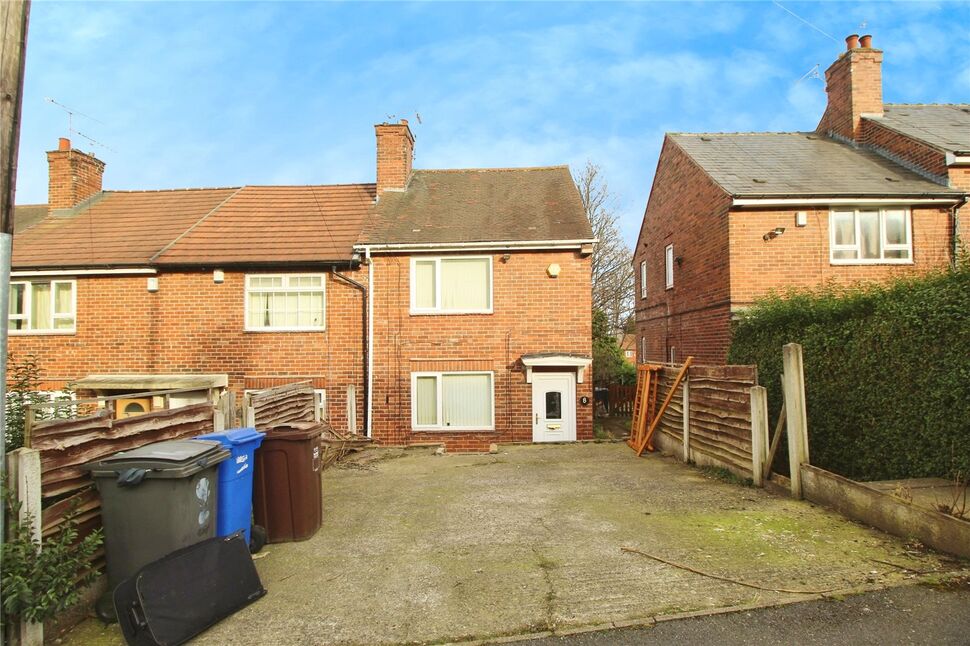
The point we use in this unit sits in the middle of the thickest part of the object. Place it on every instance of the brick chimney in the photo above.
(395, 151)
(854, 85)
(73, 176)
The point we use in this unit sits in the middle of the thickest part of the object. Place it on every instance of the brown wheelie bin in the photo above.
(286, 492)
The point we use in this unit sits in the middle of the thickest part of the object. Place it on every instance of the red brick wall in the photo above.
(531, 313)
(193, 325)
(395, 154)
(800, 257)
(73, 176)
(854, 87)
(686, 209)
(909, 150)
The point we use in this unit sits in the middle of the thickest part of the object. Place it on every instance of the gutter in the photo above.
(84, 272)
(861, 199)
(498, 245)
(364, 322)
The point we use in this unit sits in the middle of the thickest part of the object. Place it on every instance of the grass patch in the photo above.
(725, 475)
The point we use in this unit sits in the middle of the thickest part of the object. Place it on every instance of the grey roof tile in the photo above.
(480, 205)
(800, 164)
(946, 127)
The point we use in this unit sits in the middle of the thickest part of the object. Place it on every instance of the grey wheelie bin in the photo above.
(154, 500)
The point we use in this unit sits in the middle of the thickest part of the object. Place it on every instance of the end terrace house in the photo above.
(875, 192)
(438, 306)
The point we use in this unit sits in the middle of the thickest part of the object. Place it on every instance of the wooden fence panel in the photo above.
(719, 417)
(621, 399)
(283, 404)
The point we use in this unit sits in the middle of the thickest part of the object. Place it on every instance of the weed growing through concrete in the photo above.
(725, 475)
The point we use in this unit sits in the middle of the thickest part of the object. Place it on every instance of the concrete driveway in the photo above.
(420, 548)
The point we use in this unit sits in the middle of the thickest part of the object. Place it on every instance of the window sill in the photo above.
(450, 312)
(285, 330)
(42, 332)
(843, 263)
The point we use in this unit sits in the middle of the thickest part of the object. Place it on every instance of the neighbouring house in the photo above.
(875, 192)
(433, 306)
(628, 345)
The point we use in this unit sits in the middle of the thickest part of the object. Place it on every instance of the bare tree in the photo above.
(612, 258)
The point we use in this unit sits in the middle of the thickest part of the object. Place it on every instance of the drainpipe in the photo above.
(955, 221)
(364, 338)
(370, 340)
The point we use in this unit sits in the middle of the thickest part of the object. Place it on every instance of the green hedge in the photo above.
(887, 372)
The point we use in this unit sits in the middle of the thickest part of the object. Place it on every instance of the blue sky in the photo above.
(224, 94)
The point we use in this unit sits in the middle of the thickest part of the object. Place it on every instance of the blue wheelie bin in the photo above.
(234, 510)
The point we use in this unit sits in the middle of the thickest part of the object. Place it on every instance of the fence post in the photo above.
(218, 421)
(797, 419)
(686, 418)
(23, 469)
(759, 433)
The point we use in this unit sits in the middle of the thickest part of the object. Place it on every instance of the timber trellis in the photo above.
(717, 427)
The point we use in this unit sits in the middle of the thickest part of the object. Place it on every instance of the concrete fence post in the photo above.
(23, 472)
(796, 414)
(686, 418)
(759, 433)
(218, 421)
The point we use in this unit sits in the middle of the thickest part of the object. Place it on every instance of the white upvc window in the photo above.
(451, 285)
(669, 266)
(643, 349)
(285, 302)
(452, 401)
(43, 307)
(643, 279)
(870, 236)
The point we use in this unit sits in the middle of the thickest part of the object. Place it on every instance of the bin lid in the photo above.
(235, 436)
(168, 459)
(296, 431)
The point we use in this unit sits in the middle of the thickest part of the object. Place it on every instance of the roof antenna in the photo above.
(810, 74)
(70, 123)
(417, 115)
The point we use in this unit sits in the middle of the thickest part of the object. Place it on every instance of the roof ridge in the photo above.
(499, 169)
(195, 224)
(174, 190)
(309, 185)
(715, 134)
(926, 105)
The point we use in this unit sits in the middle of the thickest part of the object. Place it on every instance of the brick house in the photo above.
(255, 286)
(875, 192)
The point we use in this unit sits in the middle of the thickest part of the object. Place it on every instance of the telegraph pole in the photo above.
(14, 15)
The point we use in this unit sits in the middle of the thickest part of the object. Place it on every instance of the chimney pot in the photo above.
(63, 143)
(404, 122)
(866, 41)
(851, 41)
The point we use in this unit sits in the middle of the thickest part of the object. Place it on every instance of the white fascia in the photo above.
(131, 271)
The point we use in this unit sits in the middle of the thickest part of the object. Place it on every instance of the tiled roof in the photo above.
(27, 215)
(481, 205)
(277, 224)
(776, 164)
(946, 127)
(252, 224)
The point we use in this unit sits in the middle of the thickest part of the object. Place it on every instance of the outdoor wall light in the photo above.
(153, 284)
(679, 260)
(218, 276)
(774, 233)
(506, 257)
(553, 270)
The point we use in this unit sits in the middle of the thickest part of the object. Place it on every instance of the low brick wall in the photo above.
(890, 514)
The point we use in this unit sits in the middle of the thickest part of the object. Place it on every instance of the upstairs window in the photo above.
(285, 302)
(43, 307)
(643, 279)
(869, 236)
(460, 285)
(669, 266)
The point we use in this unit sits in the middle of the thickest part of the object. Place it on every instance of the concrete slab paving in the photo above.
(418, 548)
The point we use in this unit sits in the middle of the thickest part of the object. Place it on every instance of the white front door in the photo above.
(553, 406)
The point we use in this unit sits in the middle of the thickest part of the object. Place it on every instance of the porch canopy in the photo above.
(556, 360)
